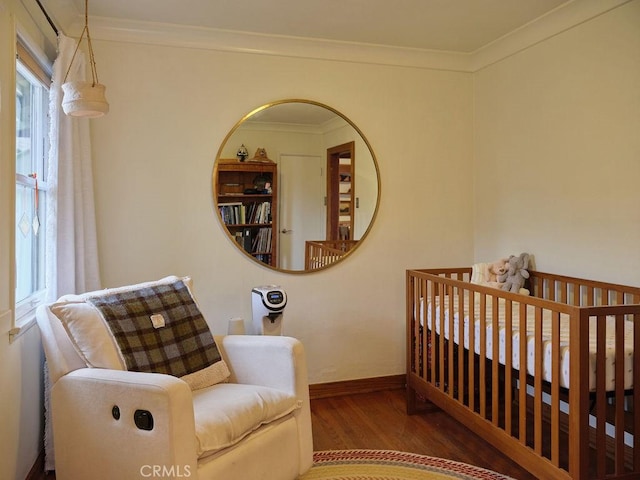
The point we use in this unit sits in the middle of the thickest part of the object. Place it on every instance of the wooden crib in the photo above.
(560, 399)
(322, 253)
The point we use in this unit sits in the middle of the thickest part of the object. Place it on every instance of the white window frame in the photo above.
(29, 67)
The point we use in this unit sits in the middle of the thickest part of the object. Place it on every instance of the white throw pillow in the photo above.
(89, 335)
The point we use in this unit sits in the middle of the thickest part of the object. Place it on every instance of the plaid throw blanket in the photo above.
(176, 341)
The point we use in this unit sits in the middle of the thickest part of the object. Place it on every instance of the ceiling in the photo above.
(298, 113)
(463, 26)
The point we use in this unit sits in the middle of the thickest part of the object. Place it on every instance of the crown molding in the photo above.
(254, 126)
(252, 43)
(557, 21)
(329, 126)
(561, 19)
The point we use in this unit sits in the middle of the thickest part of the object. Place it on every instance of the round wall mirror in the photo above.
(296, 186)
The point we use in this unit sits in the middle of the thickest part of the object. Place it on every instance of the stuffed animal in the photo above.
(493, 270)
(513, 279)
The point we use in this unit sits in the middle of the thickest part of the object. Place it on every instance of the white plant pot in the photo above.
(84, 99)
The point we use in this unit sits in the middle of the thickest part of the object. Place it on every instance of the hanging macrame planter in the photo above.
(80, 98)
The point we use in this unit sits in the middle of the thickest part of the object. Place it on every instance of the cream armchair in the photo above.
(112, 423)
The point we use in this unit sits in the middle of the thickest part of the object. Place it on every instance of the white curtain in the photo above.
(73, 261)
(72, 253)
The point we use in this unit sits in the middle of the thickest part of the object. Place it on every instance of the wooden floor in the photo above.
(378, 420)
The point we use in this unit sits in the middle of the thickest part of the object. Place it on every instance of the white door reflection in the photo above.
(301, 208)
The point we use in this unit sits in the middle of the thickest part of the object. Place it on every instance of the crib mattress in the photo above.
(547, 346)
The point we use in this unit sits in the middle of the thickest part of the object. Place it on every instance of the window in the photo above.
(32, 147)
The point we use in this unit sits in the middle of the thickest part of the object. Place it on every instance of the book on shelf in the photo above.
(232, 213)
(255, 241)
(245, 238)
(237, 213)
(262, 241)
(258, 212)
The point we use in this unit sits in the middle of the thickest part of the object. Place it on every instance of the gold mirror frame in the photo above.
(225, 161)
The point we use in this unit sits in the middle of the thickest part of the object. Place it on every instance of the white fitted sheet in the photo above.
(546, 340)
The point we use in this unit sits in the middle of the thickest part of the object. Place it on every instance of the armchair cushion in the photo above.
(226, 413)
(151, 327)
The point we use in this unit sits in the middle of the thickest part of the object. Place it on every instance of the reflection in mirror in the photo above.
(308, 195)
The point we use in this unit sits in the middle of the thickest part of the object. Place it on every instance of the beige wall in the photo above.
(170, 110)
(557, 151)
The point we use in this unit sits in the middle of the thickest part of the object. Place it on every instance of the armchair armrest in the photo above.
(111, 445)
(271, 361)
(277, 362)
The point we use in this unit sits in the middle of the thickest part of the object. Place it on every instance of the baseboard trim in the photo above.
(37, 471)
(362, 385)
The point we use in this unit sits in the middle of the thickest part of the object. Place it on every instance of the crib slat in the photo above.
(537, 401)
(577, 295)
(495, 364)
(578, 396)
(601, 399)
(590, 296)
(430, 342)
(472, 341)
(441, 354)
(508, 365)
(553, 292)
(555, 389)
(522, 420)
(414, 339)
(619, 394)
(462, 294)
(483, 355)
(425, 347)
(450, 344)
(636, 398)
(420, 340)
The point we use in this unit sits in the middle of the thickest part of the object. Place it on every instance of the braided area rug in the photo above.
(391, 465)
